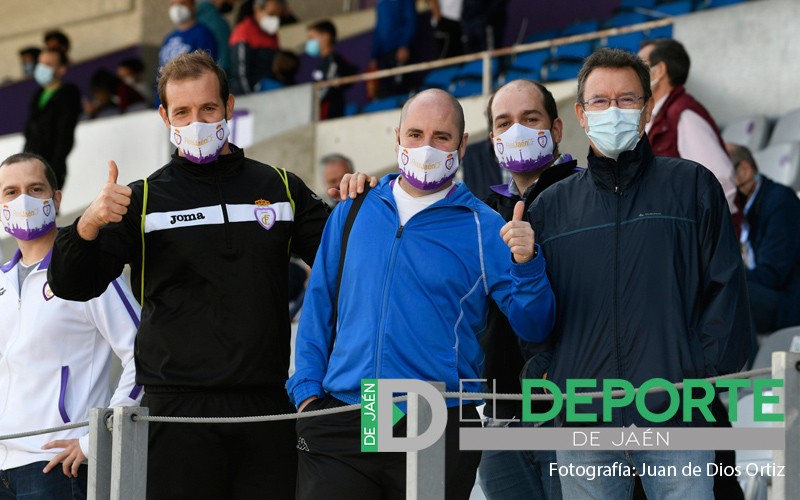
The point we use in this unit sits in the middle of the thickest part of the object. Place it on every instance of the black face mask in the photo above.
(225, 8)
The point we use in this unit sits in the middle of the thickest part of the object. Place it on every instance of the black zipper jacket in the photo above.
(217, 240)
(645, 265)
(505, 352)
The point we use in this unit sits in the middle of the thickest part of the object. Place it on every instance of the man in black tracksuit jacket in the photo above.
(529, 104)
(210, 263)
(644, 261)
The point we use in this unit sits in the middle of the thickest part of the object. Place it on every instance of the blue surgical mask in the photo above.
(614, 130)
(312, 47)
(43, 74)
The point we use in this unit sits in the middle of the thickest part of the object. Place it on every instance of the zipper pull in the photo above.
(399, 232)
(616, 189)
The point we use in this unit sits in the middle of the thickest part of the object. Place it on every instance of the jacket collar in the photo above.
(18, 256)
(563, 167)
(458, 194)
(623, 172)
(223, 166)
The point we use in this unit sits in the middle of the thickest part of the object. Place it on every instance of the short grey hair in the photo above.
(739, 153)
(336, 157)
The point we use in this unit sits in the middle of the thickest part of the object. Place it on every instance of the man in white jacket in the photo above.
(55, 355)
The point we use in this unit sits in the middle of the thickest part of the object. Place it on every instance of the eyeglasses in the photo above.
(601, 103)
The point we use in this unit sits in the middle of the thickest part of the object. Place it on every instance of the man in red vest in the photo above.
(681, 127)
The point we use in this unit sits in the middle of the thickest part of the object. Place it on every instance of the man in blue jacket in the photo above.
(770, 244)
(395, 25)
(424, 258)
(647, 276)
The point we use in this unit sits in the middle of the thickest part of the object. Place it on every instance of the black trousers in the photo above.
(332, 466)
(447, 34)
(220, 461)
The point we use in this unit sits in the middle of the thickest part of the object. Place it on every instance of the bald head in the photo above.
(437, 98)
(522, 95)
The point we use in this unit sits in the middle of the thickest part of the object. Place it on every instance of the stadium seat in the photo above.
(542, 35)
(440, 78)
(674, 8)
(628, 41)
(787, 128)
(625, 19)
(528, 64)
(781, 163)
(663, 32)
(466, 88)
(710, 4)
(561, 69)
(474, 70)
(637, 3)
(267, 84)
(351, 109)
(384, 104)
(577, 49)
(751, 131)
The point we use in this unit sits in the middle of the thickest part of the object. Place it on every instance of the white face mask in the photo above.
(179, 14)
(523, 149)
(270, 24)
(27, 218)
(427, 168)
(200, 142)
(614, 130)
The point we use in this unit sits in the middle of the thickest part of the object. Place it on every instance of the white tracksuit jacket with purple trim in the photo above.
(55, 359)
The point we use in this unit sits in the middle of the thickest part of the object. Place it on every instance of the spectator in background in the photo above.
(446, 22)
(770, 244)
(395, 26)
(284, 69)
(681, 127)
(53, 113)
(483, 24)
(104, 101)
(334, 167)
(57, 40)
(254, 44)
(210, 13)
(131, 72)
(321, 43)
(287, 16)
(28, 58)
(188, 36)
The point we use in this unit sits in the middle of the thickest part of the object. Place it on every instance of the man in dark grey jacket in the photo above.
(644, 263)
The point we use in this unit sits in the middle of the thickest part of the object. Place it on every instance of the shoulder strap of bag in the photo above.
(348, 225)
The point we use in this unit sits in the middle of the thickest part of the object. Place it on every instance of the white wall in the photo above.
(745, 58)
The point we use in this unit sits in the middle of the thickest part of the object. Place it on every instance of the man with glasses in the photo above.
(644, 264)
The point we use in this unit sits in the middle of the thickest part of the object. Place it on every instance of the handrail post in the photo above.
(487, 74)
(129, 454)
(786, 366)
(99, 479)
(424, 468)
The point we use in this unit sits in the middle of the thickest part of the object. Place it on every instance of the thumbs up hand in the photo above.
(109, 206)
(518, 235)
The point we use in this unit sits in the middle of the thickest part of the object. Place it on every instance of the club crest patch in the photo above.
(46, 292)
(265, 215)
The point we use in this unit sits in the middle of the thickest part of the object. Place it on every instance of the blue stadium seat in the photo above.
(628, 41)
(648, 4)
(561, 69)
(710, 4)
(440, 78)
(577, 49)
(675, 8)
(528, 63)
(517, 74)
(267, 84)
(663, 32)
(351, 109)
(384, 104)
(474, 70)
(466, 88)
(625, 19)
(542, 35)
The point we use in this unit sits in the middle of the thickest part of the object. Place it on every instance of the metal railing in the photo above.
(486, 57)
